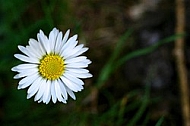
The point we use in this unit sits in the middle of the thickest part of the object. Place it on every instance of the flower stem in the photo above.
(180, 62)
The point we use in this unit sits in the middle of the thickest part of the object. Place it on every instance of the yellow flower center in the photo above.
(51, 66)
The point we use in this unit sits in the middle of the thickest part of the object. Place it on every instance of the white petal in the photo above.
(73, 78)
(77, 53)
(52, 38)
(71, 85)
(87, 61)
(67, 51)
(17, 76)
(86, 75)
(69, 45)
(14, 69)
(46, 95)
(77, 48)
(44, 41)
(24, 73)
(70, 92)
(34, 87)
(29, 52)
(24, 85)
(58, 43)
(53, 94)
(72, 39)
(74, 70)
(58, 92)
(24, 66)
(64, 101)
(41, 90)
(25, 82)
(40, 100)
(66, 36)
(63, 90)
(49, 98)
(81, 75)
(76, 65)
(26, 59)
(35, 48)
(24, 50)
(75, 59)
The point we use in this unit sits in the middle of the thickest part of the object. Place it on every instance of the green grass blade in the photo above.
(142, 108)
(108, 68)
(147, 50)
(160, 121)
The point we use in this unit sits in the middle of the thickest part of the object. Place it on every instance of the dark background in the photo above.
(143, 90)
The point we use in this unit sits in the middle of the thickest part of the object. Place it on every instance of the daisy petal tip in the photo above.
(27, 97)
(16, 76)
(54, 29)
(64, 102)
(54, 100)
(19, 46)
(15, 55)
(39, 101)
(90, 75)
(13, 69)
(90, 61)
(19, 88)
(68, 31)
(75, 37)
(41, 32)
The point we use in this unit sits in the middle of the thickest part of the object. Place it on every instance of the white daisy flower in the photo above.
(53, 67)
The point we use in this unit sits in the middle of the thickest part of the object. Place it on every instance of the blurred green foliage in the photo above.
(21, 20)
